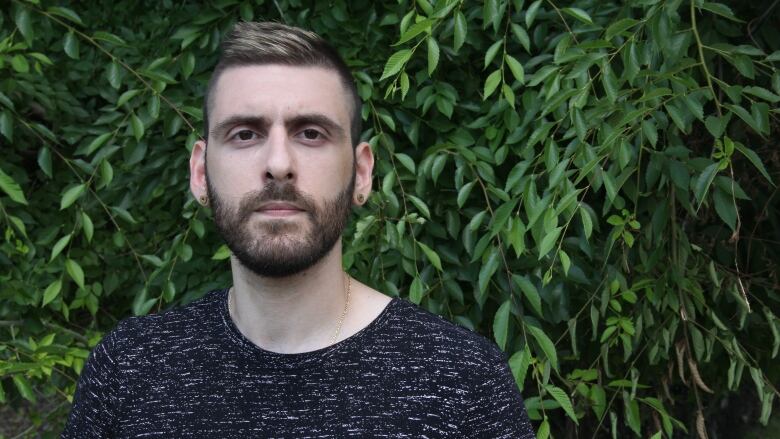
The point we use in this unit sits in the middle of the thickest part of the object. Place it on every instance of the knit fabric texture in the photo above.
(189, 372)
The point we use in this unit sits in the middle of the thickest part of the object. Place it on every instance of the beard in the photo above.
(279, 248)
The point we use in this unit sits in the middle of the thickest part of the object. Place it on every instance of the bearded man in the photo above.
(296, 347)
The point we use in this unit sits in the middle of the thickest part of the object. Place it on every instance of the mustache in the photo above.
(286, 192)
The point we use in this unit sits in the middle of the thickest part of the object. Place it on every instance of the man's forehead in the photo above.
(280, 88)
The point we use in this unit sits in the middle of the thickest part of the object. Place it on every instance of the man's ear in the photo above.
(364, 167)
(198, 170)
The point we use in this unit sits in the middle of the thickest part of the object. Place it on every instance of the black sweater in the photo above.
(189, 372)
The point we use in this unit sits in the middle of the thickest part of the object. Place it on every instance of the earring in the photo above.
(204, 200)
(361, 198)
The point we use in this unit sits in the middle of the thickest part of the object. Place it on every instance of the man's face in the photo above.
(280, 172)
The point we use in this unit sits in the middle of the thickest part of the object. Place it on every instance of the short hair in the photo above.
(261, 43)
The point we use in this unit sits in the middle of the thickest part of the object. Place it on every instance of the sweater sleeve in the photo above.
(495, 408)
(96, 402)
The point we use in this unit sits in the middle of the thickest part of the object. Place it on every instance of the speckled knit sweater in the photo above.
(190, 373)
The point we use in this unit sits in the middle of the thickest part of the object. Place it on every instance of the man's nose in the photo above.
(280, 162)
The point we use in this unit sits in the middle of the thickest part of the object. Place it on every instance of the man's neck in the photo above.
(299, 313)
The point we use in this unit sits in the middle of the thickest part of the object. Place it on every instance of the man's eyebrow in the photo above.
(316, 119)
(239, 119)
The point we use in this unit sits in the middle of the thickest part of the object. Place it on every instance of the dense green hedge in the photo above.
(589, 183)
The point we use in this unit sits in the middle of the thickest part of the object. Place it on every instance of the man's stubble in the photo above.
(272, 248)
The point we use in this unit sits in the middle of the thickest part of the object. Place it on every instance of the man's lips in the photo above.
(277, 208)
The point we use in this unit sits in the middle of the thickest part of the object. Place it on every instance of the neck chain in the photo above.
(335, 336)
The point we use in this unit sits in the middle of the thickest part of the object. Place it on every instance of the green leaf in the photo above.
(432, 256)
(549, 241)
(745, 65)
(579, 14)
(720, 9)
(137, 127)
(632, 416)
(544, 429)
(169, 291)
(65, 13)
(491, 83)
(106, 172)
(744, 115)
(223, 252)
(44, 161)
(22, 20)
(11, 188)
(420, 205)
(565, 261)
(610, 83)
(109, 38)
(530, 292)
(406, 161)
(86, 224)
(545, 344)
(96, 143)
(416, 291)
(126, 96)
(516, 68)
(587, 222)
(7, 125)
(71, 195)
(52, 291)
(724, 206)
(508, 94)
(519, 363)
(463, 193)
(76, 273)
(20, 64)
(522, 36)
(71, 45)
(492, 51)
(460, 31)
(609, 186)
(704, 181)
(619, 27)
(599, 398)
(488, 269)
(395, 63)
(501, 324)
(762, 93)
(414, 30)
(433, 55)
(23, 386)
(59, 246)
(755, 160)
(153, 106)
(716, 125)
(187, 64)
(563, 399)
(530, 14)
(650, 131)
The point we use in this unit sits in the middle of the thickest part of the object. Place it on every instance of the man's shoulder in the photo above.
(163, 328)
(425, 332)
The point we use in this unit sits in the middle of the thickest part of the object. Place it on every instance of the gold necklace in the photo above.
(341, 319)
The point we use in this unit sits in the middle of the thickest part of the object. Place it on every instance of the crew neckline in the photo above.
(279, 359)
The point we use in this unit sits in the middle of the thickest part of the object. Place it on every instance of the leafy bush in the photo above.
(591, 184)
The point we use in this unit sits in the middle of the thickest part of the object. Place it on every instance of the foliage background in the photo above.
(591, 184)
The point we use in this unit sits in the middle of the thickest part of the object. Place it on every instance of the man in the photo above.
(295, 348)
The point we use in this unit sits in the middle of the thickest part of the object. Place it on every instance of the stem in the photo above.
(700, 46)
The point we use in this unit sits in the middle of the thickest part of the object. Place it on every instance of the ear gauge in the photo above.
(361, 198)
(204, 200)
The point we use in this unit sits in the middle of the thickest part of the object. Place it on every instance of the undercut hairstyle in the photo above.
(263, 43)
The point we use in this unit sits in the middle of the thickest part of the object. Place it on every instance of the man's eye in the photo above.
(245, 135)
(311, 134)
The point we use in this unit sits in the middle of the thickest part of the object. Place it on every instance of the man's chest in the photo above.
(232, 400)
